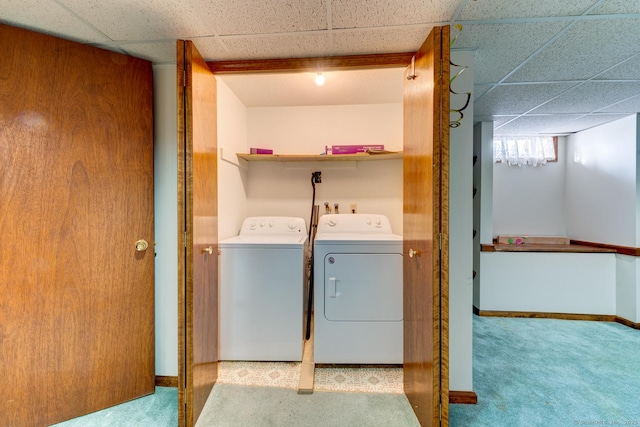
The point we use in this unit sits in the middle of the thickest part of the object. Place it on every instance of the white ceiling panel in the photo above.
(617, 7)
(629, 105)
(378, 41)
(158, 52)
(581, 123)
(588, 48)
(535, 124)
(629, 69)
(275, 46)
(141, 20)
(517, 99)
(261, 17)
(383, 13)
(501, 48)
(49, 18)
(500, 9)
(590, 96)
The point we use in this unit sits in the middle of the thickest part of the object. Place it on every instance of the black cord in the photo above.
(311, 273)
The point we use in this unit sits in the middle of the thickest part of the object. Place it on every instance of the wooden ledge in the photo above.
(532, 247)
(575, 246)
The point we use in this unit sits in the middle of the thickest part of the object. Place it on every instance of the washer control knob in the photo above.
(292, 225)
(331, 223)
(271, 224)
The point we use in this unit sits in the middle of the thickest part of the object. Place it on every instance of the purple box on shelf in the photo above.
(260, 151)
(354, 149)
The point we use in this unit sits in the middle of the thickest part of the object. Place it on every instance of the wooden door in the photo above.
(425, 216)
(76, 188)
(198, 237)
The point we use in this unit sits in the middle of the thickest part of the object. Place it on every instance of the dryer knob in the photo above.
(378, 223)
(271, 223)
(292, 225)
(261, 223)
(331, 223)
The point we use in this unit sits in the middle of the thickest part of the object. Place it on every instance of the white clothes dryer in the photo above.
(263, 274)
(357, 290)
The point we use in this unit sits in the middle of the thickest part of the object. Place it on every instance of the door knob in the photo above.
(142, 245)
(413, 253)
(208, 250)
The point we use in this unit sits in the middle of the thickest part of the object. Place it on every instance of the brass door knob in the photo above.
(142, 245)
(208, 250)
(413, 253)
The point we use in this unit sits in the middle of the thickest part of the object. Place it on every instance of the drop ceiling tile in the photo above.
(616, 7)
(479, 90)
(501, 48)
(158, 52)
(500, 9)
(139, 20)
(583, 122)
(49, 18)
(517, 99)
(627, 70)
(254, 17)
(274, 46)
(381, 13)
(378, 41)
(630, 105)
(584, 51)
(536, 124)
(589, 97)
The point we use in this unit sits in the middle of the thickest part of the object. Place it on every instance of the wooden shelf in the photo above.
(318, 157)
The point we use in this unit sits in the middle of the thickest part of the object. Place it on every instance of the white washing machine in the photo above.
(357, 290)
(262, 290)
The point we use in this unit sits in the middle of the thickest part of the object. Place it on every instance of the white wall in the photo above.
(278, 188)
(461, 232)
(601, 202)
(232, 174)
(166, 219)
(306, 130)
(549, 282)
(483, 201)
(530, 200)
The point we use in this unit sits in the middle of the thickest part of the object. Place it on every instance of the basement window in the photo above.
(525, 150)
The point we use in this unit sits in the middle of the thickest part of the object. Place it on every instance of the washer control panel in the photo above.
(273, 225)
(354, 223)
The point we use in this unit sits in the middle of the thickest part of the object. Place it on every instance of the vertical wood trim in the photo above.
(426, 205)
(182, 311)
(443, 298)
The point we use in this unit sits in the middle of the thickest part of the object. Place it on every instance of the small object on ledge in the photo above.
(354, 149)
(254, 150)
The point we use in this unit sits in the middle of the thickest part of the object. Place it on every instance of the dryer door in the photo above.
(363, 287)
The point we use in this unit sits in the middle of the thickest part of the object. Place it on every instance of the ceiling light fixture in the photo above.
(319, 79)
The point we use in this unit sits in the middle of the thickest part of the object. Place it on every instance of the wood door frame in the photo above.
(358, 62)
(197, 232)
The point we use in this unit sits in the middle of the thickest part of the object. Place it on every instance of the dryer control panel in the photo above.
(273, 225)
(354, 224)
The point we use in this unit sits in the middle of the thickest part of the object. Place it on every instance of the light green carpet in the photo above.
(231, 405)
(157, 410)
(547, 372)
